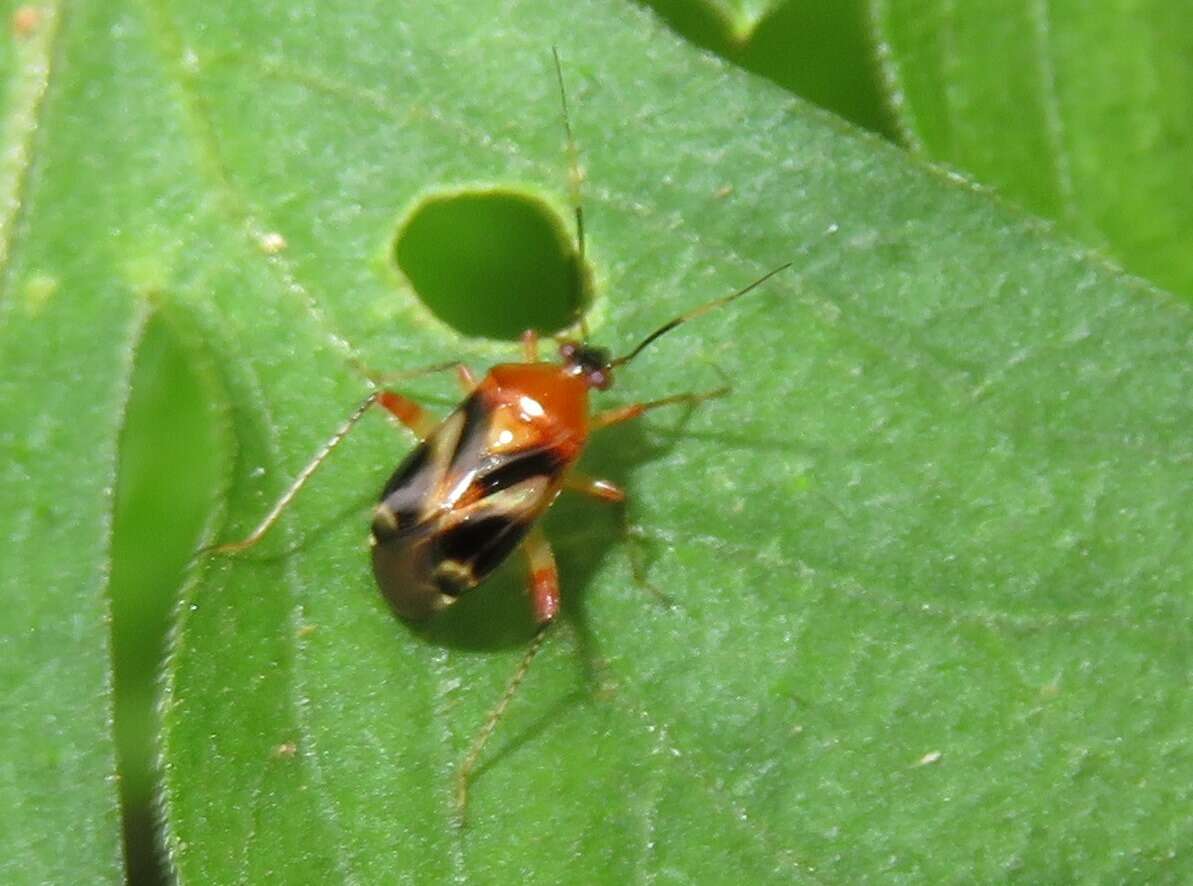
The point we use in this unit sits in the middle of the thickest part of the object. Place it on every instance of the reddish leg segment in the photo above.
(602, 490)
(408, 413)
(633, 410)
(466, 378)
(543, 584)
(402, 408)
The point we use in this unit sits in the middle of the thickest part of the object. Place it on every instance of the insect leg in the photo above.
(407, 412)
(402, 408)
(543, 583)
(466, 379)
(463, 774)
(633, 410)
(602, 490)
(299, 481)
(543, 586)
(530, 346)
(384, 379)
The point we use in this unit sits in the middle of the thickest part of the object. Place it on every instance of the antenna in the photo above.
(696, 312)
(807, 248)
(574, 179)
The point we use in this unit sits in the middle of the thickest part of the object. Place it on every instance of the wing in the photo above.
(464, 499)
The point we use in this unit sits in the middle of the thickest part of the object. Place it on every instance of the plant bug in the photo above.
(473, 489)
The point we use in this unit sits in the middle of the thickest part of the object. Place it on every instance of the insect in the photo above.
(472, 491)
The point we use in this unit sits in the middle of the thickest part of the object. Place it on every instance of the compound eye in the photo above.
(568, 349)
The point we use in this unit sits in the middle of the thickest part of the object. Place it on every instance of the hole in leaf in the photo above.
(493, 263)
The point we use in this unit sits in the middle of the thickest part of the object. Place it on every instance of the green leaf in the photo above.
(1078, 111)
(929, 560)
(67, 328)
(172, 453)
(820, 50)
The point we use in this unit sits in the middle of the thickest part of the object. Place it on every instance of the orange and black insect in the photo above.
(472, 491)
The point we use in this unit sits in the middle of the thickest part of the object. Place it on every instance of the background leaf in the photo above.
(928, 497)
(171, 450)
(67, 328)
(928, 560)
(820, 50)
(1078, 111)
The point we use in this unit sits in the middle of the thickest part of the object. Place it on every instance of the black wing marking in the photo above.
(411, 492)
(477, 539)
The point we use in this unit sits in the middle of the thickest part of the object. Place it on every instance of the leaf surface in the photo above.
(68, 326)
(1078, 111)
(928, 561)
